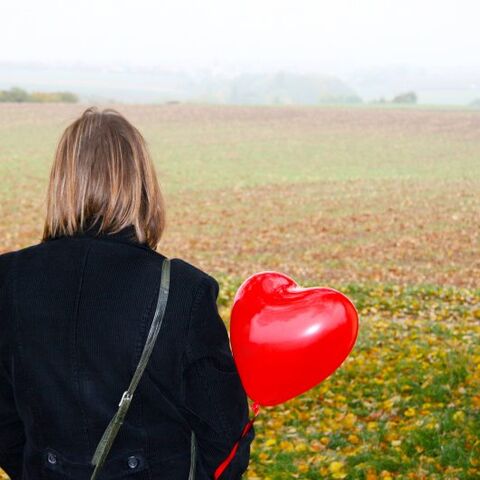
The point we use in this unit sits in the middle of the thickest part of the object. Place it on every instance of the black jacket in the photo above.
(74, 316)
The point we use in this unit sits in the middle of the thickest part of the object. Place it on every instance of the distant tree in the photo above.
(475, 103)
(18, 95)
(40, 97)
(407, 97)
(68, 97)
(49, 97)
(15, 94)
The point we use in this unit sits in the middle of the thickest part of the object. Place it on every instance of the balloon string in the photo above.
(221, 468)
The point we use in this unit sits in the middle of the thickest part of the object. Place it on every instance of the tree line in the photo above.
(19, 95)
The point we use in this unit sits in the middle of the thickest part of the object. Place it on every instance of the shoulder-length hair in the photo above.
(103, 172)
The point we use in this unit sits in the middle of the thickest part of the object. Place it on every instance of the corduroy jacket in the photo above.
(74, 316)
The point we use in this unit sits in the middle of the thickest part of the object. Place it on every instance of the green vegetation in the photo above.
(19, 95)
(407, 97)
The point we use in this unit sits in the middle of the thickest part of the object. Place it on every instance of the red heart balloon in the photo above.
(287, 339)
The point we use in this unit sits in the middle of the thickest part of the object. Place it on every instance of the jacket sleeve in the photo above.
(213, 393)
(12, 436)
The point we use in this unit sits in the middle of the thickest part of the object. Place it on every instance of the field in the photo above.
(381, 203)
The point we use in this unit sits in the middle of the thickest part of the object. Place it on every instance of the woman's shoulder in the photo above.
(191, 283)
(194, 274)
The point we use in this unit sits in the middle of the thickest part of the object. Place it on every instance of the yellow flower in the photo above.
(349, 420)
(325, 440)
(388, 404)
(323, 471)
(353, 439)
(410, 412)
(300, 447)
(286, 446)
(303, 467)
(336, 467)
(459, 416)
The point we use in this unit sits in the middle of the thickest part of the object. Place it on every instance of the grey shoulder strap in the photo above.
(111, 431)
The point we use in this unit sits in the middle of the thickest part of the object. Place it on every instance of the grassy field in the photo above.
(380, 203)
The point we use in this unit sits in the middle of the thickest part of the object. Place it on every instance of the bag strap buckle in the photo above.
(126, 398)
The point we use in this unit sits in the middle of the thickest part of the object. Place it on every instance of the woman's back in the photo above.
(74, 316)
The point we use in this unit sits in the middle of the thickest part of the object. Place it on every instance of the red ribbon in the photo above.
(220, 469)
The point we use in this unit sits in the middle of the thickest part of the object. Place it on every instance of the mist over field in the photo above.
(441, 86)
(270, 52)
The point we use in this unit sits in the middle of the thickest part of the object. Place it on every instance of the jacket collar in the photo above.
(124, 235)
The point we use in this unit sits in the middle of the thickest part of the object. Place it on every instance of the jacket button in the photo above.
(133, 462)
(51, 458)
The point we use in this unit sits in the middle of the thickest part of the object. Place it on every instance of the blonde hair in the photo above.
(102, 171)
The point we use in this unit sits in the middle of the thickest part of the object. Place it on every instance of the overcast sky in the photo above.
(327, 36)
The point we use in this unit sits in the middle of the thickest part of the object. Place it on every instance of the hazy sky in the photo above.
(328, 36)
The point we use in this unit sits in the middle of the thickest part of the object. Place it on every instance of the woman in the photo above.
(75, 310)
